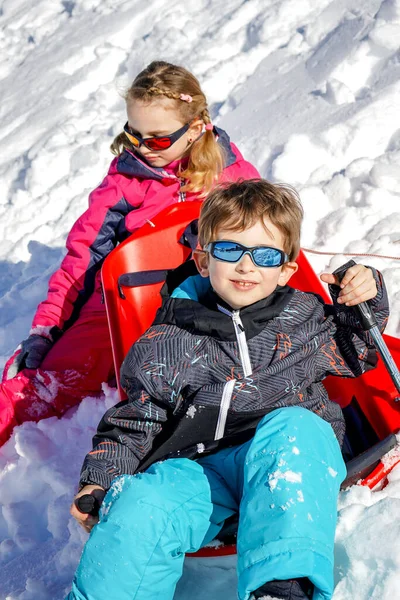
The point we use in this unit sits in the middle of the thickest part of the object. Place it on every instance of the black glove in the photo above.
(33, 351)
(29, 355)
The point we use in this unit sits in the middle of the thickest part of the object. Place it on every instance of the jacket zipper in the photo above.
(182, 195)
(223, 409)
(247, 370)
(241, 339)
(242, 342)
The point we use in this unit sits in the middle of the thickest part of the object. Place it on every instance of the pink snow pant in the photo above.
(74, 368)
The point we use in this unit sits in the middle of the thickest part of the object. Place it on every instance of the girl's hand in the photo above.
(87, 521)
(357, 285)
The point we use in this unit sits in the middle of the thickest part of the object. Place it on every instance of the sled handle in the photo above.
(369, 323)
(89, 504)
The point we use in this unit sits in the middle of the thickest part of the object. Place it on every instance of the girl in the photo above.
(168, 152)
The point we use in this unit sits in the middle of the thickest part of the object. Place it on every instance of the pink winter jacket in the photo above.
(131, 193)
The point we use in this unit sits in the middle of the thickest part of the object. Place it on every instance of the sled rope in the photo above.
(350, 254)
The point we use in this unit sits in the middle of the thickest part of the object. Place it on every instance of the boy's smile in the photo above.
(243, 283)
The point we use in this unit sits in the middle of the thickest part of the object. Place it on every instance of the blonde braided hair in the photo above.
(205, 156)
(156, 91)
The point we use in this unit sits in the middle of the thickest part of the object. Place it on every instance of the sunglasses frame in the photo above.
(210, 247)
(173, 137)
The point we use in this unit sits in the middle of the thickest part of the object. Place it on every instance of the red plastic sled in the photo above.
(130, 311)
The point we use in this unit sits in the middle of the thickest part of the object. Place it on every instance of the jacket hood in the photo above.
(189, 302)
(133, 165)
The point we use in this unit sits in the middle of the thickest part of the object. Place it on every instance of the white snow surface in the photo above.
(310, 93)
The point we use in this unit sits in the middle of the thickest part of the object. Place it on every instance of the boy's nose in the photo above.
(245, 264)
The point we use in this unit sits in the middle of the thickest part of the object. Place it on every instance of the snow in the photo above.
(191, 411)
(309, 91)
(290, 476)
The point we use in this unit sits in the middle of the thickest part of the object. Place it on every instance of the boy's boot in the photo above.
(292, 589)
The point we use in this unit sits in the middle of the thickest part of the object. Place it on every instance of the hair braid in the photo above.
(205, 115)
(156, 91)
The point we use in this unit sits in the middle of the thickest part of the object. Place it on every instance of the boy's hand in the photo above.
(87, 521)
(357, 285)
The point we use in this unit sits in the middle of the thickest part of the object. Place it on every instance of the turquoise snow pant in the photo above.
(284, 483)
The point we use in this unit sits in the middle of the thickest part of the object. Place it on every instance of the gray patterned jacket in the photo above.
(203, 375)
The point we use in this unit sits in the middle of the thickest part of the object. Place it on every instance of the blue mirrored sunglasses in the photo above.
(262, 256)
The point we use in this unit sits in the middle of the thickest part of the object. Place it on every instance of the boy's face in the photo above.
(243, 283)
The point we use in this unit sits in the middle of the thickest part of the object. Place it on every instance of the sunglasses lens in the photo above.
(133, 139)
(227, 251)
(161, 143)
(267, 257)
(262, 256)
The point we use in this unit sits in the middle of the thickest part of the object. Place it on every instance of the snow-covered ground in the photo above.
(310, 92)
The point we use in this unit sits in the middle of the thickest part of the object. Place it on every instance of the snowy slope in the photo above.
(310, 93)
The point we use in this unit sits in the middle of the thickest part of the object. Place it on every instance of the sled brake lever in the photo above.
(369, 323)
(89, 504)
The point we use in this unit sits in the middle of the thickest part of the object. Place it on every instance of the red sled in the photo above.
(369, 403)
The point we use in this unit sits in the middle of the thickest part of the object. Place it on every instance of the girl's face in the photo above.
(160, 117)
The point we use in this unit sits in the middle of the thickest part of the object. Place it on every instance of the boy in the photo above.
(225, 389)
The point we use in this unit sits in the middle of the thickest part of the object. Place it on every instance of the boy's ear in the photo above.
(201, 259)
(288, 270)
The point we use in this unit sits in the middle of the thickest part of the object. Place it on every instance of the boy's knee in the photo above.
(132, 506)
(296, 419)
(295, 427)
(171, 497)
(163, 487)
(120, 494)
(299, 432)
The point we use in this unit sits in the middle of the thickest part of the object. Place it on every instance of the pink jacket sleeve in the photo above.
(90, 240)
